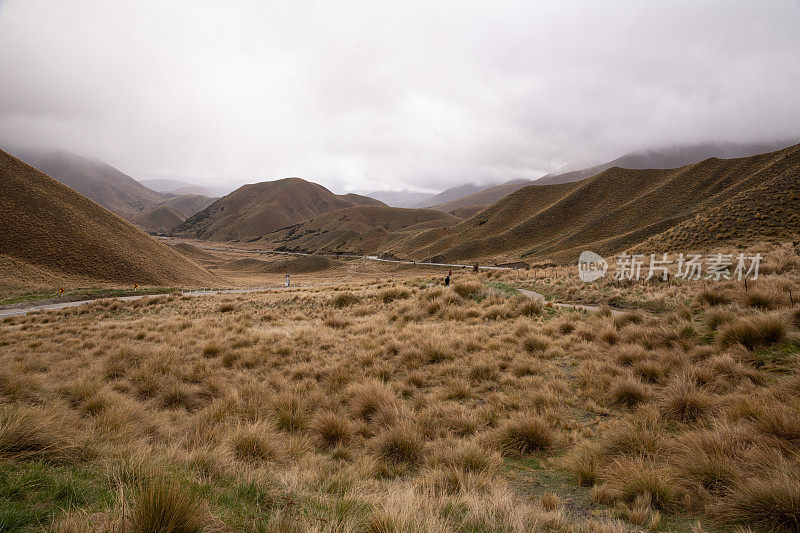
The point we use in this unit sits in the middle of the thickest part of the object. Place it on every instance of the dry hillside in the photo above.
(187, 205)
(482, 198)
(716, 200)
(96, 180)
(360, 229)
(256, 209)
(49, 227)
(667, 157)
(177, 187)
(160, 220)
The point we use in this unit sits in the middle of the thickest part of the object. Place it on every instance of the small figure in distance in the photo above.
(447, 281)
(450, 273)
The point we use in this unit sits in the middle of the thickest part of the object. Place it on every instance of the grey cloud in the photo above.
(380, 94)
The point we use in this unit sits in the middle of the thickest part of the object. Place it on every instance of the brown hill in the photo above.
(193, 252)
(483, 198)
(667, 157)
(452, 194)
(160, 220)
(260, 208)
(49, 227)
(96, 180)
(698, 205)
(187, 205)
(359, 229)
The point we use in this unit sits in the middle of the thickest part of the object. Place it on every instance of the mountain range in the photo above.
(154, 211)
(51, 233)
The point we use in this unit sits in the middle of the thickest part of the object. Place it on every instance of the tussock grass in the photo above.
(162, 506)
(411, 408)
(628, 392)
(754, 331)
(630, 478)
(34, 433)
(332, 429)
(401, 443)
(713, 297)
(344, 299)
(770, 501)
(683, 401)
(525, 434)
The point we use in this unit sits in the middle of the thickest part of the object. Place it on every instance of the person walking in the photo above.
(447, 281)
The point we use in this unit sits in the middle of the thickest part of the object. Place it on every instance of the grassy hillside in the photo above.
(160, 220)
(187, 205)
(667, 157)
(96, 180)
(482, 198)
(716, 200)
(260, 208)
(360, 229)
(49, 226)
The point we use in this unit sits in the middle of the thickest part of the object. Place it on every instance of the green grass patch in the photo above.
(33, 493)
(780, 357)
(504, 288)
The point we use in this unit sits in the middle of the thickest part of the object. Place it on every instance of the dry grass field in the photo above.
(383, 406)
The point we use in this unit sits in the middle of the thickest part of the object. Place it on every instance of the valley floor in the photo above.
(400, 405)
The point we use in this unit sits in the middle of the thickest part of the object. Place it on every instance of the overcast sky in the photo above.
(391, 94)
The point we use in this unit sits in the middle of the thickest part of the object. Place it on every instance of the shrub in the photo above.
(163, 506)
(754, 331)
(226, 307)
(525, 434)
